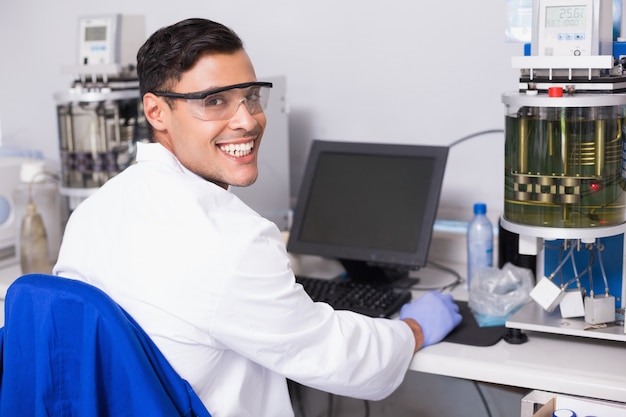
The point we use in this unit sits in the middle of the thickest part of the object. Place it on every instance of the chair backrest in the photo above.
(67, 349)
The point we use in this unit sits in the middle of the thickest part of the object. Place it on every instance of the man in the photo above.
(205, 276)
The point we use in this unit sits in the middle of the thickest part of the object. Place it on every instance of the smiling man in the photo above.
(222, 120)
(204, 275)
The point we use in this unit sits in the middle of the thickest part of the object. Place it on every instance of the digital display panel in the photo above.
(95, 33)
(566, 16)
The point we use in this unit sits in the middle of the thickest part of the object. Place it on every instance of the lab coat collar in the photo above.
(155, 152)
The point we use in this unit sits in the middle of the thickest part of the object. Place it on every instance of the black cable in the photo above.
(473, 135)
(483, 399)
(459, 280)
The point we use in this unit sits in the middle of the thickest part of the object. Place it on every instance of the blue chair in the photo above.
(69, 350)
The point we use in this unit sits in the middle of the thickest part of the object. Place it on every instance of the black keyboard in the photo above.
(344, 294)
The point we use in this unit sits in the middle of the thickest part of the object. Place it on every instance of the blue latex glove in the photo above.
(435, 312)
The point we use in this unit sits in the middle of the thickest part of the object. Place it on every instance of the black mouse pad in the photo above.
(470, 333)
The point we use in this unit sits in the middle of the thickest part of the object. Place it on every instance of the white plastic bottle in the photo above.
(479, 241)
(37, 203)
(33, 243)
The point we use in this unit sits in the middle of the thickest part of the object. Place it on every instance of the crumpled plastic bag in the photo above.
(495, 294)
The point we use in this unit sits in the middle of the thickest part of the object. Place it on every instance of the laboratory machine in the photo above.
(9, 180)
(100, 117)
(565, 170)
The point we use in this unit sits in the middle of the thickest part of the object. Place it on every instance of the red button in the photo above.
(555, 92)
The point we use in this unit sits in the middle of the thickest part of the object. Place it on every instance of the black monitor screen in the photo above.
(369, 204)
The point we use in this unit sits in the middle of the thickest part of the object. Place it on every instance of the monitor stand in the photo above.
(361, 271)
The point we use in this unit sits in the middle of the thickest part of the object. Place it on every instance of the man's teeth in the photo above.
(238, 149)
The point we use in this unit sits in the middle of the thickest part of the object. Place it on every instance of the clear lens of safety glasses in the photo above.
(222, 103)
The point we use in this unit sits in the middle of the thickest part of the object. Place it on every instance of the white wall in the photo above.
(399, 71)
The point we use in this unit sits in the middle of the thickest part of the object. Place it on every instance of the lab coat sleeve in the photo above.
(267, 317)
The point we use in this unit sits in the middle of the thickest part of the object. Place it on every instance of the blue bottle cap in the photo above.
(480, 208)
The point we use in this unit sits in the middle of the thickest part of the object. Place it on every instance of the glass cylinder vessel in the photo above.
(98, 130)
(564, 160)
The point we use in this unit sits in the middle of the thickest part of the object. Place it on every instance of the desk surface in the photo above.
(563, 364)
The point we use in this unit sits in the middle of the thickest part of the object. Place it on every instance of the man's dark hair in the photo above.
(172, 50)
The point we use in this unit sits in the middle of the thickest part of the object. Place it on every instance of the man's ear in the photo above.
(153, 109)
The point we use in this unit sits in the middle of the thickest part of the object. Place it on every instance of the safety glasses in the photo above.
(222, 103)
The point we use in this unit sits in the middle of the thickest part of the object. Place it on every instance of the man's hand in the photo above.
(437, 314)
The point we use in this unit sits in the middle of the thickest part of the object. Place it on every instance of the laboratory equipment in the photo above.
(565, 170)
(100, 117)
(111, 40)
(9, 179)
(24, 177)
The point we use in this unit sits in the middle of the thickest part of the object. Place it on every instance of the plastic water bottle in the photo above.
(479, 241)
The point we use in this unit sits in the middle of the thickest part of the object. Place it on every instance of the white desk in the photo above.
(563, 364)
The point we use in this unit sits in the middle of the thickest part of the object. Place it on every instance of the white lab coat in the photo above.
(209, 280)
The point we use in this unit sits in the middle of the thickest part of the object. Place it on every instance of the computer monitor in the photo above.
(371, 206)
